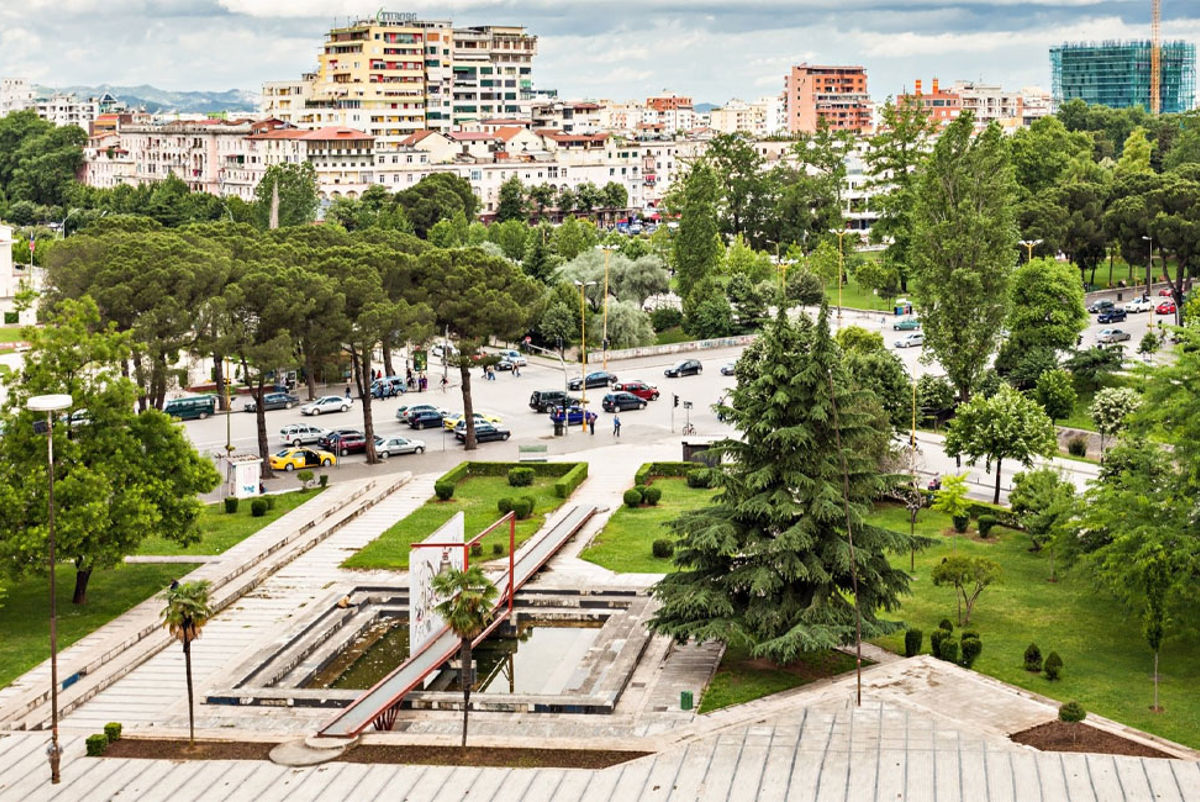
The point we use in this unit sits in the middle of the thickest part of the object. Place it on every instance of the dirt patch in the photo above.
(1058, 736)
(517, 758)
(155, 749)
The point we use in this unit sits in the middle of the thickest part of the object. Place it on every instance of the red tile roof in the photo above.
(471, 136)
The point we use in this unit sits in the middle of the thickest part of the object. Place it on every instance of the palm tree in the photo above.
(185, 615)
(467, 608)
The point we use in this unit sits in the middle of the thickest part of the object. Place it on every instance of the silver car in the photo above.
(914, 339)
(1112, 336)
(327, 403)
(386, 446)
(300, 434)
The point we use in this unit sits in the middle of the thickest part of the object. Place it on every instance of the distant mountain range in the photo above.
(154, 99)
(705, 108)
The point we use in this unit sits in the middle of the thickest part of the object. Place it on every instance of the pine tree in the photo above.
(767, 564)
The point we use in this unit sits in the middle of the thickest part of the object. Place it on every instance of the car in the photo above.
(443, 351)
(344, 441)
(1100, 305)
(914, 339)
(1139, 305)
(388, 386)
(299, 434)
(546, 400)
(514, 357)
(196, 407)
(454, 418)
(619, 402)
(907, 324)
(574, 415)
(597, 378)
(1112, 336)
(688, 367)
(289, 459)
(638, 388)
(408, 410)
(425, 418)
(1166, 292)
(729, 369)
(1165, 308)
(327, 403)
(272, 401)
(1114, 315)
(387, 446)
(484, 432)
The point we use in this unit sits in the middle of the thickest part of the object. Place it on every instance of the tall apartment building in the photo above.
(66, 109)
(493, 71)
(1117, 74)
(941, 105)
(15, 95)
(836, 95)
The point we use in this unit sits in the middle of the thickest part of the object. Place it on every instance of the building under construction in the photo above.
(1118, 74)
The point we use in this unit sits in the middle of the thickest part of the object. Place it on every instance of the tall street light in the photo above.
(51, 404)
(1149, 263)
(841, 232)
(582, 285)
(608, 249)
(1029, 245)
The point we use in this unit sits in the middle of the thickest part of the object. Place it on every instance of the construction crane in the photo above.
(1155, 57)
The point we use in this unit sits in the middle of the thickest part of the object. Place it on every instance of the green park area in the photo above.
(25, 613)
(741, 678)
(1107, 666)
(220, 530)
(11, 334)
(477, 497)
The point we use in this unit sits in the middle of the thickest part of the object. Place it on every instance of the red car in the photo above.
(1166, 308)
(1165, 292)
(640, 389)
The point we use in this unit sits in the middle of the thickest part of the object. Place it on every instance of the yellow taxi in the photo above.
(289, 459)
(454, 418)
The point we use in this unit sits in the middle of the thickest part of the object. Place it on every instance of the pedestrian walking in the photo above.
(616, 426)
(347, 391)
(445, 383)
(516, 370)
(591, 420)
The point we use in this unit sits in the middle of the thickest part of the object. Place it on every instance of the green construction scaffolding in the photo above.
(1117, 74)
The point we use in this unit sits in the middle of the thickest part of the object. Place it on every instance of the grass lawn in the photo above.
(11, 334)
(854, 297)
(740, 678)
(1081, 417)
(1107, 665)
(220, 531)
(24, 610)
(624, 543)
(476, 496)
(673, 335)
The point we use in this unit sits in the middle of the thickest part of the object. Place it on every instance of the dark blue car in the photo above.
(574, 415)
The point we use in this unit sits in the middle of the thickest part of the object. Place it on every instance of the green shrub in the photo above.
(456, 474)
(443, 490)
(566, 485)
(662, 548)
(1003, 515)
(699, 478)
(663, 469)
(912, 642)
(523, 507)
(665, 317)
(258, 507)
(961, 522)
(946, 625)
(504, 505)
(498, 549)
(476, 549)
(323, 480)
(1077, 446)
(632, 497)
(231, 504)
(520, 477)
(949, 650)
(1053, 666)
(1072, 713)
(651, 495)
(1033, 658)
(935, 641)
(985, 523)
(270, 502)
(971, 648)
(112, 731)
(305, 478)
(969, 633)
(96, 744)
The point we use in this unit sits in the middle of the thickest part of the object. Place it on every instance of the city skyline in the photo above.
(709, 51)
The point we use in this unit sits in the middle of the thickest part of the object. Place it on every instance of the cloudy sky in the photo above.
(598, 48)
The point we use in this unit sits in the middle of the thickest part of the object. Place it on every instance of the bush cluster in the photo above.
(498, 549)
(520, 477)
(662, 548)
(96, 744)
(258, 507)
(699, 478)
(912, 642)
(323, 481)
(985, 523)
(504, 505)
(112, 731)
(651, 495)
(443, 490)
(1077, 446)
(523, 507)
(662, 469)
(1053, 666)
(961, 522)
(632, 497)
(972, 646)
(476, 549)
(305, 478)
(1033, 658)
(270, 502)
(231, 504)
(1072, 713)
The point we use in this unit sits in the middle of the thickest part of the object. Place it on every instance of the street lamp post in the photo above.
(841, 232)
(51, 404)
(608, 249)
(583, 285)
(1029, 245)
(1149, 263)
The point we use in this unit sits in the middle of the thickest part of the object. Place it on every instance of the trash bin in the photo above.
(560, 427)
(1120, 296)
(685, 700)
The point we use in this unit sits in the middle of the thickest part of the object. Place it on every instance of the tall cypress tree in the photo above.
(767, 563)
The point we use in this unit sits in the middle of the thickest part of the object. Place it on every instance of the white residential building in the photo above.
(15, 95)
(66, 109)
(14, 278)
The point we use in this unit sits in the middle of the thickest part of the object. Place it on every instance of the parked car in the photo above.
(597, 378)
(454, 418)
(1100, 305)
(1112, 336)
(545, 400)
(1166, 292)
(638, 388)
(1139, 305)
(574, 415)
(514, 356)
(907, 324)
(327, 403)
(299, 434)
(729, 369)
(388, 386)
(443, 351)
(387, 446)
(914, 339)
(619, 402)
(289, 459)
(1114, 315)
(688, 367)
(484, 432)
(344, 441)
(1165, 308)
(272, 401)
(408, 410)
(425, 418)
(191, 408)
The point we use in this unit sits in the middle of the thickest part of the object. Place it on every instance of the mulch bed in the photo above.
(1056, 736)
(517, 758)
